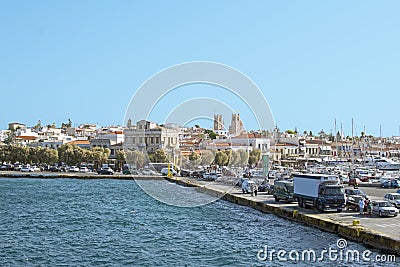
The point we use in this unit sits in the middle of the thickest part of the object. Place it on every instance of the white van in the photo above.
(246, 186)
(164, 171)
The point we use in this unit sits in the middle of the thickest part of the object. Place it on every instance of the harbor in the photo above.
(380, 233)
(371, 230)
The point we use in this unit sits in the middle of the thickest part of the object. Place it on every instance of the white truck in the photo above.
(320, 191)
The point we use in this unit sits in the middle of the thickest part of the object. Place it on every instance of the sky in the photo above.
(314, 61)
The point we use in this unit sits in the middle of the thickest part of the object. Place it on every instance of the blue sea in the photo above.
(73, 222)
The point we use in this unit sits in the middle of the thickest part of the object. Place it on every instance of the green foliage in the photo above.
(207, 158)
(221, 158)
(24, 154)
(211, 134)
(234, 158)
(243, 157)
(73, 155)
(255, 156)
(290, 132)
(135, 157)
(158, 156)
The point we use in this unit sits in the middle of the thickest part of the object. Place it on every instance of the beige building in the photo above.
(149, 136)
(218, 122)
(236, 127)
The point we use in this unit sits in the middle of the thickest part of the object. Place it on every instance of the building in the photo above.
(16, 125)
(236, 127)
(218, 122)
(247, 141)
(148, 136)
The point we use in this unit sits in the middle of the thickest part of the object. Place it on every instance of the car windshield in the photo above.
(332, 191)
(385, 204)
(358, 192)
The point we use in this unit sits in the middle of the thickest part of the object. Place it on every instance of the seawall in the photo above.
(349, 231)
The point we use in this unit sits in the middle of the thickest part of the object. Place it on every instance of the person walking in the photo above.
(361, 205)
(255, 190)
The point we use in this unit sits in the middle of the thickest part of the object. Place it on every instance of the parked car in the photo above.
(283, 190)
(354, 182)
(266, 187)
(129, 171)
(164, 171)
(384, 208)
(352, 202)
(54, 169)
(148, 172)
(185, 173)
(83, 169)
(246, 186)
(73, 169)
(17, 167)
(240, 181)
(351, 192)
(212, 176)
(26, 168)
(35, 168)
(7, 167)
(107, 171)
(391, 184)
(198, 173)
(393, 198)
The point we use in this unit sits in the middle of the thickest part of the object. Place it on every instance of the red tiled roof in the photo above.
(27, 137)
(285, 144)
(80, 142)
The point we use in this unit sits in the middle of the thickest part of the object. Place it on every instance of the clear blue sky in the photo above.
(313, 60)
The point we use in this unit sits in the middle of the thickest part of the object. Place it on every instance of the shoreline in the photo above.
(74, 175)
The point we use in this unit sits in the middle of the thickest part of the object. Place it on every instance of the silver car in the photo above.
(393, 198)
(384, 208)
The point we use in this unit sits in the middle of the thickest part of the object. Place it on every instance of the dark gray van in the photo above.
(283, 190)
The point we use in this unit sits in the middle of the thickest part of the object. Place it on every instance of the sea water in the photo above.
(73, 222)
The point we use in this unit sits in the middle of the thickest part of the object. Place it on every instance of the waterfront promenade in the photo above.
(380, 233)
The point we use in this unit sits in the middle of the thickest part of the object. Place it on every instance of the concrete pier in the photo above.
(339, 223)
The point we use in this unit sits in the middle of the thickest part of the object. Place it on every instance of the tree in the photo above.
(310, 134)
(135, 157)
(211, 134)
(197, 126)
(221, 158)
(70, 154)
(120, 157)
(158, 156)
(244, 157)
(290, 132)
(235, 158)
(255, 156)
(67, 125)
(207, 158)
(194, 158)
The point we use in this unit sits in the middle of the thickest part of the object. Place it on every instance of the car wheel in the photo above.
(299, 202)
(380, 214)
(319, 205)
(276, 199)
